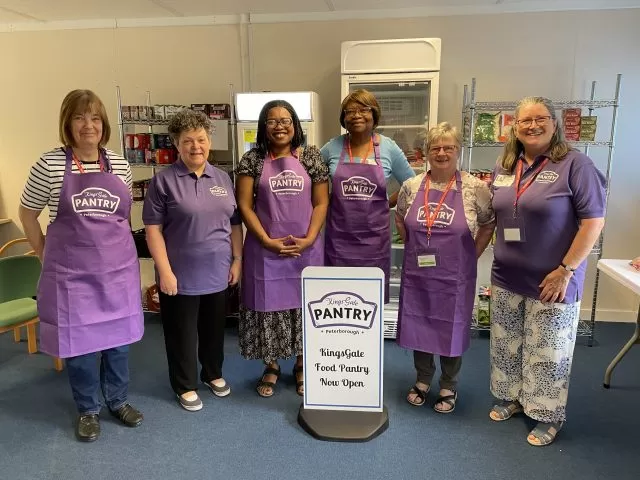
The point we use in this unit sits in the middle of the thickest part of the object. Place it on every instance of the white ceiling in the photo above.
(22, 13)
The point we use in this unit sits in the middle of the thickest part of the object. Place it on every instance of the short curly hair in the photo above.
(185, 120)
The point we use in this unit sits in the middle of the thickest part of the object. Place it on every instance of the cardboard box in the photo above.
(201, 107)
(219, 111)
(159, 112)
(572, 112)
(572, 122)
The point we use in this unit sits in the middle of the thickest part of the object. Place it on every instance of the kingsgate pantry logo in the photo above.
(548, 176)
(342, 309)
(218, 191)
(444, 218)
(286, 181)
(358, 188)
(95, 201)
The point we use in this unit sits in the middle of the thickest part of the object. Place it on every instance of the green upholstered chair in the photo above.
(19, 276)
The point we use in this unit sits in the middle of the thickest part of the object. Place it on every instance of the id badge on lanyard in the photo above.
(513, 229)
(428, 257)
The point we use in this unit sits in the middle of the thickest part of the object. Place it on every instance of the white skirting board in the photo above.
(611, 315)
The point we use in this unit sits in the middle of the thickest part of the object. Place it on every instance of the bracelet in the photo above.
(237, 257)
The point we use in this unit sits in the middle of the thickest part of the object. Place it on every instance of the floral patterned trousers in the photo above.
(531, 352)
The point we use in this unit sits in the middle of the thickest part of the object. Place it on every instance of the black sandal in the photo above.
(420, 394)
(262, 383)
(449, 400)
(299, 383)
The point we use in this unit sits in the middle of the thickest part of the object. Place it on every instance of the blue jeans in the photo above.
(113, 379)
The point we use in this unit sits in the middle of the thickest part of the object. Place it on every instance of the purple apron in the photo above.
(358, 232)
(89, 290)
(436, 302)
(283, 205)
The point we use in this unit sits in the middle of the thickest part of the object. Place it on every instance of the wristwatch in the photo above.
(568, 268)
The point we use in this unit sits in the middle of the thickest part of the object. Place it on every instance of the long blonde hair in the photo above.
(558, 147)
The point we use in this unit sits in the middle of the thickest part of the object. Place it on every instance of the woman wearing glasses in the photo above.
(283, 195)
(446, 221)
(549, 201)
(361, 163)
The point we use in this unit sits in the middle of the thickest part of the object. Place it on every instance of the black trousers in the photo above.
(193, 330)
(426, 368)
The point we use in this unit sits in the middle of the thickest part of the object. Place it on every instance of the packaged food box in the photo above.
(126, 112)
(165, 156)
(572, 112)
(201, 107)
(135, 115)
(137, 190)
(141, 141)
(572, 122)
(570, 130)
(219, 111)
(144, 112)
(487, 127)
(483, 311)
(572, 137)
(159, 112)
(134, 156)
(588, 128)
(588, 136)
(171, 110)
(592, 120)
(506, 124)
(160, 140)
(128, 140)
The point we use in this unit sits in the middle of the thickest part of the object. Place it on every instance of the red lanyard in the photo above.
(79, 163)
(429, 218)
(520, 191)
(364, 159)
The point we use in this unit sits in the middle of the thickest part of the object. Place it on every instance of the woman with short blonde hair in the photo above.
(446, 221)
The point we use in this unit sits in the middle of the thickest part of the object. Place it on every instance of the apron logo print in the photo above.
(342, 309)
(445, 215)
(218, 191)
(95, 202)
(286, 181)
(358, 187)
(547, 176)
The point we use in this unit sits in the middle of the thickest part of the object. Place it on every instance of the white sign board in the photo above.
(343, 309)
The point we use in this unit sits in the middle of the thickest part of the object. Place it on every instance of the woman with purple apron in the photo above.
(282, 195)
(446, 220)
(88, 294)
(361, 163)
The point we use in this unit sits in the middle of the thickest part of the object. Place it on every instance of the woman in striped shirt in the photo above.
(87, 293)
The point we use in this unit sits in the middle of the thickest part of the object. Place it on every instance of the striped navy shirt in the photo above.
(45, 179)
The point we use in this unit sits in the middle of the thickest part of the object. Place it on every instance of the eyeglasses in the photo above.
(351, 112)
(446, 148)
(273, 122)
(527, 122)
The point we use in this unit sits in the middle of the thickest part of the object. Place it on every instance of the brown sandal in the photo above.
(421, 395)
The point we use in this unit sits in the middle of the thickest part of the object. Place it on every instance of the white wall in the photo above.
(511, 55)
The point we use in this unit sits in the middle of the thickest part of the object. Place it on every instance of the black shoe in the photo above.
(128, 415)
(88, 428)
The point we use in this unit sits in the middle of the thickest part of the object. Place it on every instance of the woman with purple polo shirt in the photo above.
(358, 232)
(194, 234)
(446, 221)
(89, 300)
(549, 201)
(283, 195)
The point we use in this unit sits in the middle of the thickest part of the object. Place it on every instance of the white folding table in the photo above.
(622, 272)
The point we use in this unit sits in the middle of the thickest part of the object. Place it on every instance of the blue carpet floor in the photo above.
(244, 436)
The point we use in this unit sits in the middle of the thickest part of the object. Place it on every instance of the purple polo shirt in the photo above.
(562, 194)
(196, 215)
